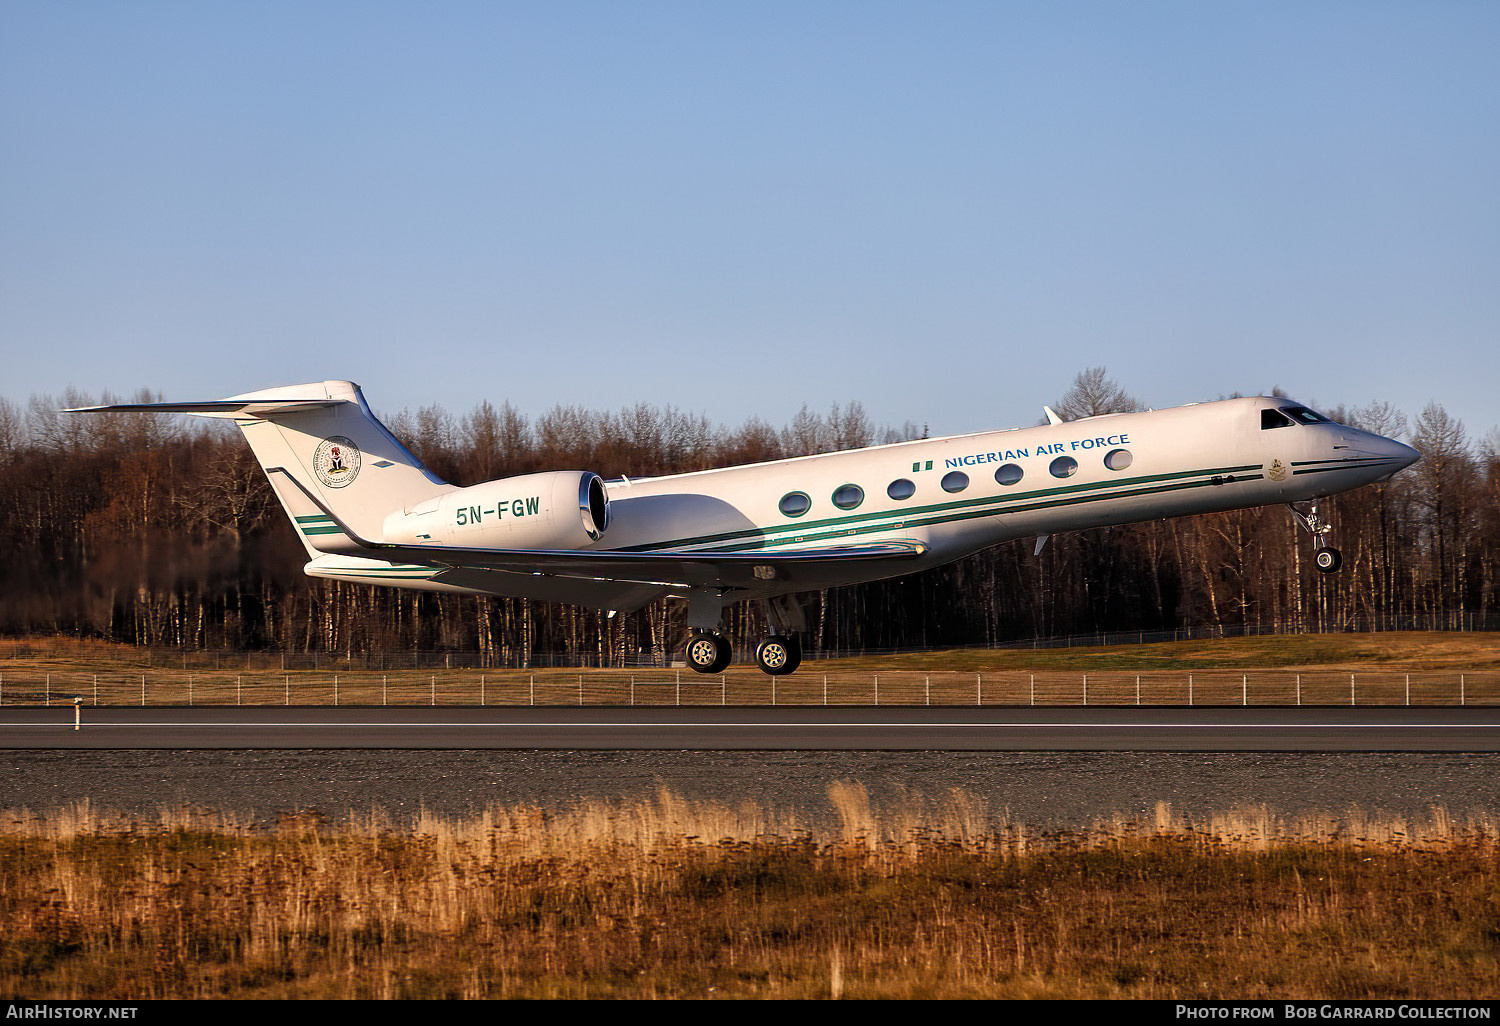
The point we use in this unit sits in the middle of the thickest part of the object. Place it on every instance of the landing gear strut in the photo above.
(1325, 557)
(781, 652)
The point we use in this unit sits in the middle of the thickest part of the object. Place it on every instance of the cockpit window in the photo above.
(1303, 415)
(1273, 419)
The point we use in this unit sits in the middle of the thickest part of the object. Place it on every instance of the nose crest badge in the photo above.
(1276, 471)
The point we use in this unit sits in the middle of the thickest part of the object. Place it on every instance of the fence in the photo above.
(748, 687)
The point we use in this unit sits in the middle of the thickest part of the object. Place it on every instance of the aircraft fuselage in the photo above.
(1096, 472)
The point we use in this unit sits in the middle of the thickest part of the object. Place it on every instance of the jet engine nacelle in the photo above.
(563, 510)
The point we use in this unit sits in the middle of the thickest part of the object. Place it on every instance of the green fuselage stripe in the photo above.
(842, 525)
(974, 514)
(1309, 468)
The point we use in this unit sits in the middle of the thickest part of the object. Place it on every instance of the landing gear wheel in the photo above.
(778, 655)
(708, 653)
(1328, 560)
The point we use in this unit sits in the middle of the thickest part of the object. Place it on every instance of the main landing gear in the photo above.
(1325, 557)
(708, 651)
(777, 655)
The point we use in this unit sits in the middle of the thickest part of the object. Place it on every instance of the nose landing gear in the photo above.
(1325, 557)
(1328, 560)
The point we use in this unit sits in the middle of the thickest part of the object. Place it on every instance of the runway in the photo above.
(988, 729)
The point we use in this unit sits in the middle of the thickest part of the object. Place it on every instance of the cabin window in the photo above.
(794, 504)
(848, 496)
(1273, 419)
(1118, 459)
(1009, 474)
(901, 489)
(955, 481)
(1064, 466)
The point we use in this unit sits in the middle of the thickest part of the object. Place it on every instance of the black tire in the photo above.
(708, 653)
(1328, 560)
(778, 655)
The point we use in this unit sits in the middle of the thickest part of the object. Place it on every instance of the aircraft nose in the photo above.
(1393, 452)
(1387, 453)
(1403, 452)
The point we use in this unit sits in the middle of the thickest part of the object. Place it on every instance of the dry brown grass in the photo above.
(1391, 669)
(665, 898)
(1433, 650)
(1386, 650)
(64, 653)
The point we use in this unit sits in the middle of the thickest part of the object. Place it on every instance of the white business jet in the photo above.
(368, 511)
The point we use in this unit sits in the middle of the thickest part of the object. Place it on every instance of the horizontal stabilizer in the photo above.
(218, 408)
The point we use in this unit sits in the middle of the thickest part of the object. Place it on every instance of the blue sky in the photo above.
(941, 210)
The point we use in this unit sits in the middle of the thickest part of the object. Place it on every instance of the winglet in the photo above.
(1052, 417)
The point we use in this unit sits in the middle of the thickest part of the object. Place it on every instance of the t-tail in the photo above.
(336, 469)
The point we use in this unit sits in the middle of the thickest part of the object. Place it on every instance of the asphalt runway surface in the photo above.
(272, 761)
(863, 728)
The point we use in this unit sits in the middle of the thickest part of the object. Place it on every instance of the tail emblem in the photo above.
(336, 462)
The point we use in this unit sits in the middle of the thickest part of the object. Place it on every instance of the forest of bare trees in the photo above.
(163, 532)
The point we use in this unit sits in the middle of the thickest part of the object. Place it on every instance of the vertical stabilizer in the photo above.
(341, 457)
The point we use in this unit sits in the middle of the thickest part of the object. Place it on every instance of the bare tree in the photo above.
(1444, 476)
(850, 428)
(1381, 418)
(1094, 393)
(12, 430)
(806, 435)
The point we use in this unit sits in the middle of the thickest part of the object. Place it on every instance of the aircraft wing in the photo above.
(665, 569)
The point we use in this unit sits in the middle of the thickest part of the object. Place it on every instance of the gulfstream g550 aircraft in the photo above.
(367, 510)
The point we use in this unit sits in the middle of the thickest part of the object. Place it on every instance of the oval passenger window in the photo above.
(1008, 474)
(848, 496)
